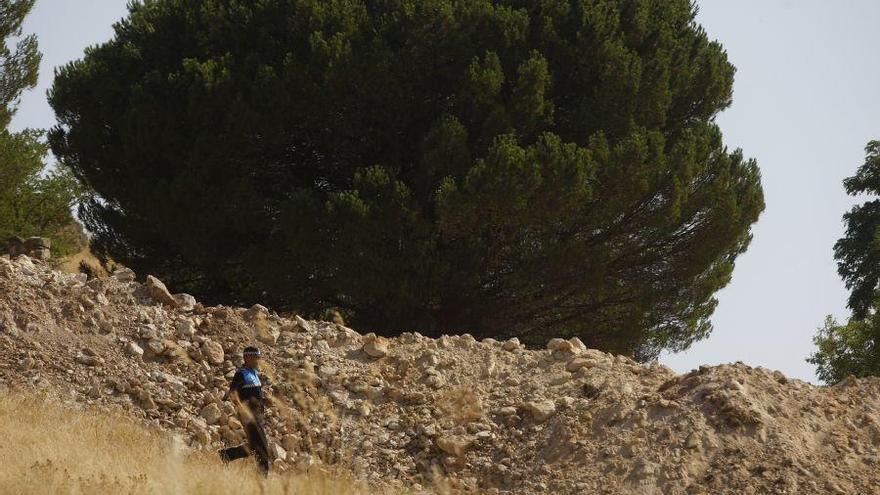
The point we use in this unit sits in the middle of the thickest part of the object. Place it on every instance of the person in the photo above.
(246, 393)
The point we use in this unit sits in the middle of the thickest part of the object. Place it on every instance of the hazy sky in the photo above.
(806, 101)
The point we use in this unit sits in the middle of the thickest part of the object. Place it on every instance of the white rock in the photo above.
(186, 329)
(256, 311)
(124, 275)
(132, 349)
(185, 302)
(211, 414)
(278, 452)
(559, 345)
(213, 352)
(303, 324)
(540, 410)
(376, 348)
(455, 444)
(159, 292)
(511, 344)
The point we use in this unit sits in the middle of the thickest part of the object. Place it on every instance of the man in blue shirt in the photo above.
(246, 392)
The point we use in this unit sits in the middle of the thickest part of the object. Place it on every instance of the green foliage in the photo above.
(858, 251)
(517, 167)
(854, 348)
(32, 203)
(850, 349)
(19, 64)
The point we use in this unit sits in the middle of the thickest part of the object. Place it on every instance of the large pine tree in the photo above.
(512, 167)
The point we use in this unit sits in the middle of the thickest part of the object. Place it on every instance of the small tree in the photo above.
(33, 202)
(849, 349)
(854, 348)
(858, 251)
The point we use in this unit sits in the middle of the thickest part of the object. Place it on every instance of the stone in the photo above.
(256, 311)
(266, 334)
(276, 451)
(540, 410)
(155, 347)
(186, 329)
(124, 275)
(159, 292)
(559, 345)
(213, 352)
(202, 437)
(303, 324)
(577, 345)
(456, 445)
(185, 302)
(578, 363)
(507, 411)
(211, 413)
(89, 360)
(376, 348)
(132, 349)
(511, 344)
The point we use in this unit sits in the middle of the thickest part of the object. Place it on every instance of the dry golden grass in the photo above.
(49, 448)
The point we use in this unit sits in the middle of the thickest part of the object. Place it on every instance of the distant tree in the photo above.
(858, 251)
(854, 348)
(508, 168)
(33, 202)
(849, 349)
(19, 64)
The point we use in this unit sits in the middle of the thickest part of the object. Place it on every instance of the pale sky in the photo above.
(806, 101)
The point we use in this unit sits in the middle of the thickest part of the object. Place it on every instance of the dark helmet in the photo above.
(251, 351)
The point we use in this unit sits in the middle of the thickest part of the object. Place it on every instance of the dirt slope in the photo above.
(490, 416)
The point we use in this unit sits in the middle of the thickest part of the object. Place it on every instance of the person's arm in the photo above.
(234, 385)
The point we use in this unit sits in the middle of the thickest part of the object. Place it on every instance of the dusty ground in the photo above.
(483, 416)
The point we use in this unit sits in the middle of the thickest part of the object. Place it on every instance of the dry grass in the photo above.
(51, 448)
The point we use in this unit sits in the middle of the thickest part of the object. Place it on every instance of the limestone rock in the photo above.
(159, 292)
(455, 444)
(132, 349)
(213, 352)
(540, 410)
(511, 344)
(185, 302)
(211, 414)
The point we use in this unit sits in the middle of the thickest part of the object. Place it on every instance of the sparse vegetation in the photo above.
(64, 449)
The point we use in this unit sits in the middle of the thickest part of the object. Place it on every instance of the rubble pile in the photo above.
(485, 416)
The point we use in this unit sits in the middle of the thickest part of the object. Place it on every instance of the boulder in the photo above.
(456, 445)
(132, 349)
(211, 413)
(559, 345)
(511, 344)
(540, 410)
(303, 324)
(256, 311)
(185, 302)
(213, 352)
(159, 292)
(276, 451)
(376, 349)
(124, 275)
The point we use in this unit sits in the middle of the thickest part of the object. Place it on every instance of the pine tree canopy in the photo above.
(504, 168)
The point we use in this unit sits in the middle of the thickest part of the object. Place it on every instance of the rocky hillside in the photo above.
(487, 416)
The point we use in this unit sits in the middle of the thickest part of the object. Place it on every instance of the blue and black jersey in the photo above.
(246, 383)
